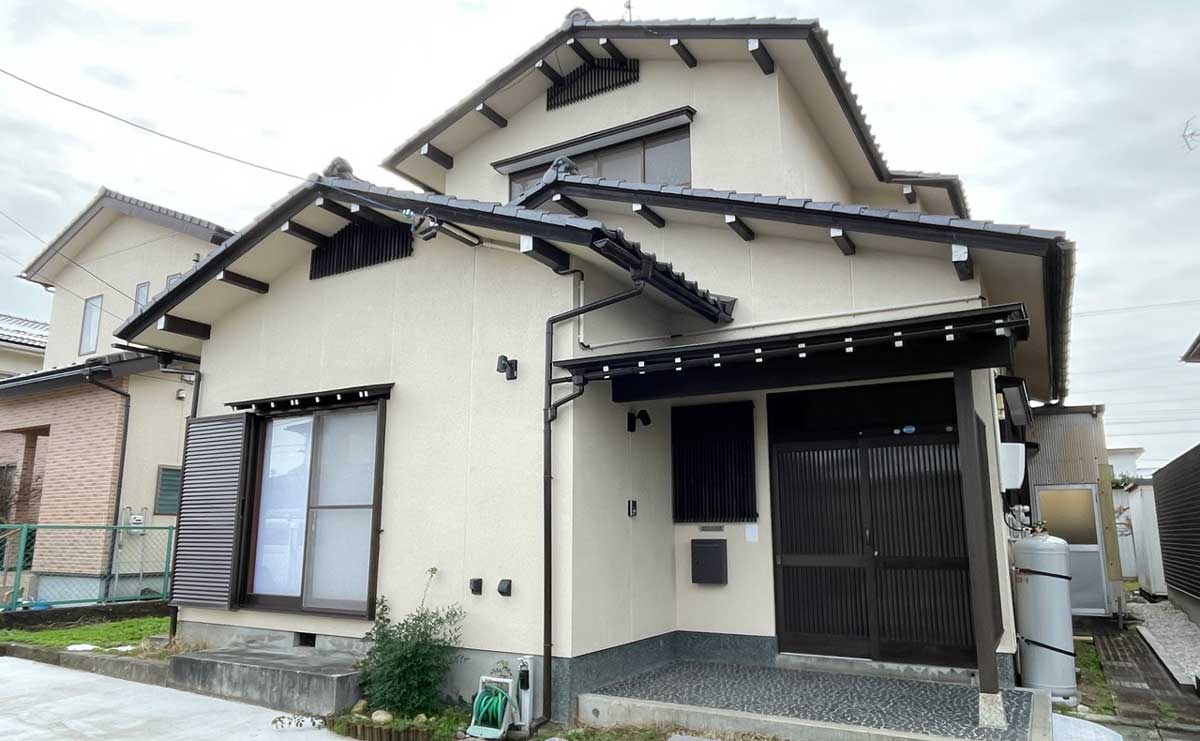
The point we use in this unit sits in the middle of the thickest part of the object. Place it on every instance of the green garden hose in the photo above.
(490, 705)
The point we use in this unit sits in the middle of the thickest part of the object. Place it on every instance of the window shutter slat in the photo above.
(214, 455)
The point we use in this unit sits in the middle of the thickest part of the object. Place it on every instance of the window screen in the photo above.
(89, 334)
(712, 463)
(662, 159)
(166, 497)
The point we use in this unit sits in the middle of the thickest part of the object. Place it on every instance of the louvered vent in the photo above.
(360, 246)
(589, 80)
(712, 463)
(213, 473)
(1177, 499)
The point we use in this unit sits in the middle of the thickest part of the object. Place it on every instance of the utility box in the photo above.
(709, 561)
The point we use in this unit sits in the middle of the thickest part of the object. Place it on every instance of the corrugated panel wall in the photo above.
(1177, 499)
(213, 461)
(1072, 448)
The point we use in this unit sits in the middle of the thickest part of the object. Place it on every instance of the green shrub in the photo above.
(408, 661)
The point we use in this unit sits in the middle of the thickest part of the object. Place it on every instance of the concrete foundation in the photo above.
(299, 680)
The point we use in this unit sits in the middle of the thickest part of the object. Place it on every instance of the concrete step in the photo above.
(296, 680)
(867, 667)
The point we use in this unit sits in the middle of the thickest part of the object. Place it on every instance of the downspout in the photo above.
(549, 414)
(116, 518)
(197, 377)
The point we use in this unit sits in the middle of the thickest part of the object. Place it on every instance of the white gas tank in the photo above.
(1043, 604)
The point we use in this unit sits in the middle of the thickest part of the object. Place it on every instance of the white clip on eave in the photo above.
(898, 342)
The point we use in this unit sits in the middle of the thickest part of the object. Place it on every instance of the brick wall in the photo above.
(77, 463)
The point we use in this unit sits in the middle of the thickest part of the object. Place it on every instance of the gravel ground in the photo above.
(1176, 635)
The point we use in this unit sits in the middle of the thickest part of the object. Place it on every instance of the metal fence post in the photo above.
(166, 590)
(15, 597)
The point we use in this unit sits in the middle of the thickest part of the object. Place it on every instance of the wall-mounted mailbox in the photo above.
(709, 561)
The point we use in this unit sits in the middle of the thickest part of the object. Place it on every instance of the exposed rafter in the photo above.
(242, 281)
(842, 240)
(186, 327)
(739, 227)
(437, 156)
(302, 232)
(765, 61)
(649, 214)
(612, 51)
(487, 112)
(333, 207)
(549, 72)
(361, 213)
(584, 55)
(964, 264)
(910, 194)
(688, 58)
(569, 204)
(545, 253)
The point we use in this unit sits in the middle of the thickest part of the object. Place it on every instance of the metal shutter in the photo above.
(214, 463)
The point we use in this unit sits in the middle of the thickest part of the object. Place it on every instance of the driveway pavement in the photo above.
(39, 701)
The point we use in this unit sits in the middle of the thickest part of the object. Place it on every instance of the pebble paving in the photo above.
(912, 706)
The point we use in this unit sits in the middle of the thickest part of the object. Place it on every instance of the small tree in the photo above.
(406, 666)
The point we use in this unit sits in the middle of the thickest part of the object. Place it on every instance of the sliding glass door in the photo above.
(313, 523)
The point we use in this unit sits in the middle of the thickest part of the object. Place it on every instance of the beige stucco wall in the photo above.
(156, 425)
(13, 361)
(462, 473)
(122, 255)
(731, 99)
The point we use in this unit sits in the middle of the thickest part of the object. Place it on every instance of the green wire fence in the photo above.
(46, 566)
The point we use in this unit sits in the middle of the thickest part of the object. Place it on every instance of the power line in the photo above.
(1135, 307)
(20, 264)
(1176, 366)
(1150, 434)
(60, 254)
(147, 129)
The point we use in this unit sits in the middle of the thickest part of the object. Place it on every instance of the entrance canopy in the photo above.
(976, 338)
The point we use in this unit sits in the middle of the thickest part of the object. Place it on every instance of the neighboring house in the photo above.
(1143, 517)
(1124, 464)
(1070, 481)
(22, 344)
(99, 432)
(783, 428)
(1175, 496)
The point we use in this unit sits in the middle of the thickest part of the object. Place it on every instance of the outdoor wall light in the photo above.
(632, 419)
(507, 366)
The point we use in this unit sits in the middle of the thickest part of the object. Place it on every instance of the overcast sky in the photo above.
(1059, 115)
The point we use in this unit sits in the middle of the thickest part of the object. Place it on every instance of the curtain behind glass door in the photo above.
(283, 508)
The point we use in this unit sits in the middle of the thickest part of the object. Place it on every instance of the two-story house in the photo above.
(22, 345)
(636, 413)
(96, 432)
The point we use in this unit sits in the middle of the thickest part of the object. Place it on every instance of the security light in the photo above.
(632, 419)
(644, 417)
(507, 366)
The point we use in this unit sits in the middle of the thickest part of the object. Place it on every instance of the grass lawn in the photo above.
(1093, 683)
(105, 635)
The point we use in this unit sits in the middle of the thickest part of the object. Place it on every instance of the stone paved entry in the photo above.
(875, 702)
(1141, 685)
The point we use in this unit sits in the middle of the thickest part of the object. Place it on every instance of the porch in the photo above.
(805, 704)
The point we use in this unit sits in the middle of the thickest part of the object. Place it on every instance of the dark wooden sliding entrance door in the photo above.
(870, 553)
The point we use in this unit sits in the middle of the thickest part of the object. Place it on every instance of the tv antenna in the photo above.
(629, 8)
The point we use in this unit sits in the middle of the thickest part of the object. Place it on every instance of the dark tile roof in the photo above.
(808, 29)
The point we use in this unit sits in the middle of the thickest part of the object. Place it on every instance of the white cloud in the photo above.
(1061, 115)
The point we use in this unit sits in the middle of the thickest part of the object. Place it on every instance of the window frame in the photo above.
(83, 323)
(176, 277)
(591, 158)
(141, 296)
(245, 595)
(158, 489)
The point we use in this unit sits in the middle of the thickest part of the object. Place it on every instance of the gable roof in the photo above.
(17, 330)
(584, 30)
(589, 234)
(120, 203)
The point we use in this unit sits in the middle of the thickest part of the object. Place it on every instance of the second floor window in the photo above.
(141, 296)
(663, 159)
(172, 280)
(89, 334)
